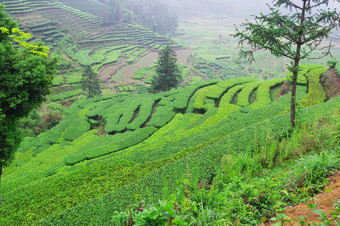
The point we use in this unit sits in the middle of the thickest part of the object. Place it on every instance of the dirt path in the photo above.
(324, 201)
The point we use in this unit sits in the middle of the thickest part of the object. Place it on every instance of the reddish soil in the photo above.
(324, 201)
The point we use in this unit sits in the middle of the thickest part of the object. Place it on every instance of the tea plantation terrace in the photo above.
(109, 149)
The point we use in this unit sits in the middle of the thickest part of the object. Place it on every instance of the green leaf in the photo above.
(320, 212)
(4, 30)
(311, 206)
(302, 220)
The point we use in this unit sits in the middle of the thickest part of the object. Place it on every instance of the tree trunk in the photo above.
(293, 97)
(0, 182)
(296, 67)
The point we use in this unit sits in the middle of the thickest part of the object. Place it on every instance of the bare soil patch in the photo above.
(324, 201)
(124, 72)
(331, 83)
(183, 55)
(105, 73)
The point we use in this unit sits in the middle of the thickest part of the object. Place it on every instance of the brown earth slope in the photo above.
(331, 83)
(324, 201)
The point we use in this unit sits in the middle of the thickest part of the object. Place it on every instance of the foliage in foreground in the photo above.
(250, 190)
(26, 74)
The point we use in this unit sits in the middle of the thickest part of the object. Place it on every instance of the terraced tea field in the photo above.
(87, 41)
(111, 150)
(217, 53)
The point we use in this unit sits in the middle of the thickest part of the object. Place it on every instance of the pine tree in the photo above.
(168, 74)
(294, 35)
(91, 83)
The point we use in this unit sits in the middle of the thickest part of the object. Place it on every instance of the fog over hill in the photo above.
(206, 7)
(242, 8)
(158, 14)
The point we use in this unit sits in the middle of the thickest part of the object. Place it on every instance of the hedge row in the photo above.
(42, 25)
(263, 93)
(99, 55)
(135, 55)
(77, 128)
(57, 81)
(227, 98)
(103, 107)
(98, 41)
(111, 56)
(200, 100)
(66, 95)
(45, 29)
(221, 87)
(140, 73)
(316, 94)
(123, 119)
(302, 71)
(73, 79)
(182, 99)
(103, 145)
(243, 97)
(83, 57)
(70, 53)
(215, 92)
(131, 50)
(145, 111)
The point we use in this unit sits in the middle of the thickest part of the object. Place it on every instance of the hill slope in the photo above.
(87, 40)
(111, 149)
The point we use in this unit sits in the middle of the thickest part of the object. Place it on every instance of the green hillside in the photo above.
(83, 38)
(217, 150)
(110, 151)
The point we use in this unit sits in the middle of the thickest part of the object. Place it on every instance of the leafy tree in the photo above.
(91, 83)
(115, 12)
(26, 74)
(295, 34)
(168, 74)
